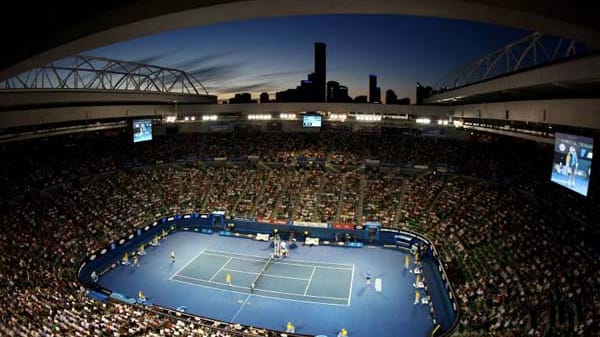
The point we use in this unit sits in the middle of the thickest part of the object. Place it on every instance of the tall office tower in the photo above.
(320, 71)
(374, 91)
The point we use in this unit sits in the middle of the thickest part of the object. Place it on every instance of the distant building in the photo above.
(374, 90)
(242, 98)
(391, 98)
(290, 95)
(313, 88)
(423, 92)
(360, 99)
(404, 101)
(337, 92)
(320, 73)
(264, 97)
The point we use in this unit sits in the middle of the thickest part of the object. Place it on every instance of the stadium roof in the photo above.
(36, 35)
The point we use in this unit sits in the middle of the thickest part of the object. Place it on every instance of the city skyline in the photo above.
(271, 55)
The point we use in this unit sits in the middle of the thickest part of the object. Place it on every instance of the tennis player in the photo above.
(290, 328)
(173, 256)
(141, 296)
(228, 280)
(125, 259)
(572, 165)
(368, 277)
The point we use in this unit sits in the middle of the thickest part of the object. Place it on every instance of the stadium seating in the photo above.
(521, 264)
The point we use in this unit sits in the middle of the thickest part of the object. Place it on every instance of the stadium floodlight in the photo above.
(260, 117)
(210, 118)
(193, 118)
(338, 117)
(423, 121)
(400, 116)
(187, 118)
(286, 116)
(171, 119)
(368, 118)
(457, 123)
(442, 122)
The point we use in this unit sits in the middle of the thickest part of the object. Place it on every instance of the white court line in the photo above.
(218, 271)
(185, 265)
(266, 290)
(351, 281)
(240, 309)
(262, 257)
(279, 262)
(280, 276)
(256, 295)
(310, 280)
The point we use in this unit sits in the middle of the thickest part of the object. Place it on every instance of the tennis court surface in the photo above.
(289, 279)
(319, 289)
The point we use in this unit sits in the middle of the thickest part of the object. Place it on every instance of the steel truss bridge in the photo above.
(531, 51)
(92, 73)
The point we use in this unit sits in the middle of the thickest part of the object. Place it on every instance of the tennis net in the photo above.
(253, 285)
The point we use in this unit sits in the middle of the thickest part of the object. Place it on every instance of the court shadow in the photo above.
(362, 290)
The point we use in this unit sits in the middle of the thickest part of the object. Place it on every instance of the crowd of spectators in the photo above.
(520, 265)
(518, 268)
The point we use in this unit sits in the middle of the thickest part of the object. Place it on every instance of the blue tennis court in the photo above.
(288, 279)
(320, 289)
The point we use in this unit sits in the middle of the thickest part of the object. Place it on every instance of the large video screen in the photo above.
(312, 121)
(142, 130)
(572, 164)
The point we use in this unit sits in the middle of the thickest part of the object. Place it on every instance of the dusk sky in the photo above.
(275, 54)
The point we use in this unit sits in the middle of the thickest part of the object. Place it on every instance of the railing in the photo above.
(83, 72)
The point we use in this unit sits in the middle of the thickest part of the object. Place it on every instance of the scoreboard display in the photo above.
(312, 121)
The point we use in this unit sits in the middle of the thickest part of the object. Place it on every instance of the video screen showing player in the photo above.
(142, 130)
(572, 164)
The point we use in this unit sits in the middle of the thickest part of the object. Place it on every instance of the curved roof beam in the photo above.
(123, 20)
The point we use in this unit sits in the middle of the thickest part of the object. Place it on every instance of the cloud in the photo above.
(151, 59)
(194, 62)
(259, 86)
(219, 72)
(284, 73)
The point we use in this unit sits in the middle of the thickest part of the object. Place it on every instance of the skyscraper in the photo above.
(320, 73)
(374, 91)
(312, 89)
